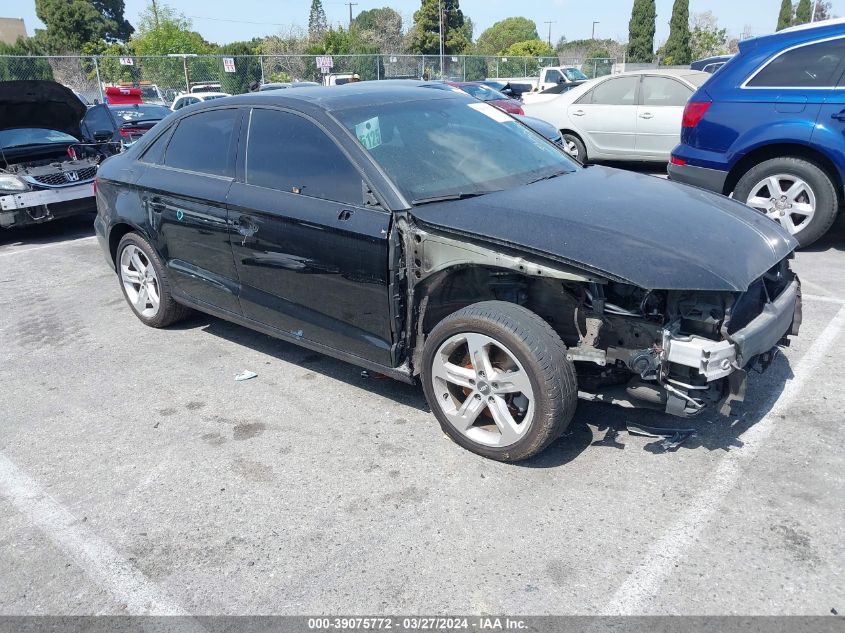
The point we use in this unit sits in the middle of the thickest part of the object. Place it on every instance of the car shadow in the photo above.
(60, 230)
(833, 240)
(600, 426)
(403, 393)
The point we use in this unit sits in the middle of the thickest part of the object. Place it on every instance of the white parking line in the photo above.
(38, 248)
(643, 584)
(94, 556)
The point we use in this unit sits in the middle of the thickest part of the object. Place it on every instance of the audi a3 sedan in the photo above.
(382, 225)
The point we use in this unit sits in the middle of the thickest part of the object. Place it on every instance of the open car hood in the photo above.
(44, 104)
(628, 227)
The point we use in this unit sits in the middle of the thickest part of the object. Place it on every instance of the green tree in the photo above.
(162, 30)
(317, 23)
(676, 51)
(641, 32)
(505, 33)
(32, 66)
(706, 38)
(785, 15)
(72, 23)
(381, 28)
(529, 48)
(803, 12)
(424, 36)
(247, 66)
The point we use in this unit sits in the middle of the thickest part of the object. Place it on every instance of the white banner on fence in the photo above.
(127, 61)
(229, 64)
(325, 61)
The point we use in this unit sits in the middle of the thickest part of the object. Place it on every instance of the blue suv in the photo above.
(769, 128)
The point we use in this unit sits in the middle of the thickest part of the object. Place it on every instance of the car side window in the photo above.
(552, 76)
(812, 66)
(619, 91)
(203, 142)
(290, 153)
(154, 154)
(660, 91)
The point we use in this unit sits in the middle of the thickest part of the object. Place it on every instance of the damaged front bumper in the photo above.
(730, 358)
(42, 205)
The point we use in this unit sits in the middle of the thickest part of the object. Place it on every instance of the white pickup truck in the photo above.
(549, 77)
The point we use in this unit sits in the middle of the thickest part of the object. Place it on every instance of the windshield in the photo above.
(451, 147)
(33, 136)
(142, 112)
(573, 74)
(484, 93)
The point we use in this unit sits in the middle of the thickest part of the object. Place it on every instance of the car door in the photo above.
(659, 114)
(606, 117)
(311, 257)
(185, 193)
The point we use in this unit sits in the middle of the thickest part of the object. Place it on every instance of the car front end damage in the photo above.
(700, 348)
(38, 191)
(678, 351)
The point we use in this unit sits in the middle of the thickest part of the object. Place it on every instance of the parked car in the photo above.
(184, 100)
(768, 128)
(47, 163)
(488, 95)
(631, 116)
(383, 225)
(548, 77)
(710, 64)
(512, 90)
(125, 123)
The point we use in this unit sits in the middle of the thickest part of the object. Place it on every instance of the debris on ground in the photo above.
(245, 375)
(672, 437)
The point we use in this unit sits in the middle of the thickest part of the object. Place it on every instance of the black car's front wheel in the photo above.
(497, 378)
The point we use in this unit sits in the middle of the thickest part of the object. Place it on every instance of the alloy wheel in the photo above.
(140, 281)
(785, 198)
(482, 389)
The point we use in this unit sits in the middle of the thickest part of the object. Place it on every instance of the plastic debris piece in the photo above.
(246, 375)
(672, 437)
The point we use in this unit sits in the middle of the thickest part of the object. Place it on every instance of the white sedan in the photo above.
(631, 116)
(184, 100)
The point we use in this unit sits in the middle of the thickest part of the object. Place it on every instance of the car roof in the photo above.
(357, 94)
(694, 77)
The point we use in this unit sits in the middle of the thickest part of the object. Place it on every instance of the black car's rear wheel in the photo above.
(146, 284)
(497, 378)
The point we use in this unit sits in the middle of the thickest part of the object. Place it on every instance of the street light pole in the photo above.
(594, 29)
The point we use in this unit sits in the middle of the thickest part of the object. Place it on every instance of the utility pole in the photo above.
(440, 15)
(550, 22)
(594, 29)
(351, 4)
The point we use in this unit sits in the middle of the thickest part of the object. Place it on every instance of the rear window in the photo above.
(813, 66)
(203, 143)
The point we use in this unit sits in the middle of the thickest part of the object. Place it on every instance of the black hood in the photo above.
(630, 227)
(44, 104)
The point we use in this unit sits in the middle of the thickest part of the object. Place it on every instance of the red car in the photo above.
(488, 95)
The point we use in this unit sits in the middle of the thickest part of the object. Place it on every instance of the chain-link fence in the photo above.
(161, 78)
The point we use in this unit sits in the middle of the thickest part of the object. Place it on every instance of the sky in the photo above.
(222, 21)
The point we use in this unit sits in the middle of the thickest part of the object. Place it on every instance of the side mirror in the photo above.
(561, 80)
(102, 136)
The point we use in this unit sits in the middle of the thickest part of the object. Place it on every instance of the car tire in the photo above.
(776, 201)
(575, 147)
(145, 283)
(497, 378)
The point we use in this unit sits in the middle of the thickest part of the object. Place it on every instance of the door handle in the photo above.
(578, 113)
(839, 116)
(646, 115)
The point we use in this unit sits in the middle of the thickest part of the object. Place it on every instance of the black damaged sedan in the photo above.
(384, 226)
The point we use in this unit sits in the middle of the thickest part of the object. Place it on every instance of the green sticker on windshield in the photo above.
(369, 133)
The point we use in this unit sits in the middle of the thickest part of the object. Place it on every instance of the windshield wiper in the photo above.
(549, 177)
(448, 196)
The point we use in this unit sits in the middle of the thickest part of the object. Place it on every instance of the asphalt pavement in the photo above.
(137, 476)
